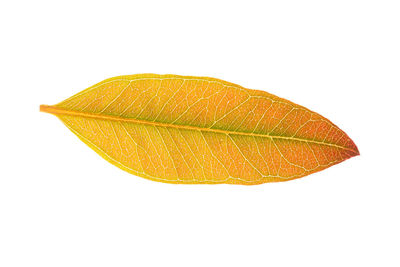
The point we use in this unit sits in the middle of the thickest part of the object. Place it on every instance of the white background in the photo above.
(62, 205)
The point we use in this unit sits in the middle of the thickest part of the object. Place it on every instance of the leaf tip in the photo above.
(357, 152)
(354, 149)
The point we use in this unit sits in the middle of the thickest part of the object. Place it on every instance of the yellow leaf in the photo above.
(183, 129)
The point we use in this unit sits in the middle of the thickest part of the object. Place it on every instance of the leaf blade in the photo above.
(202, 130)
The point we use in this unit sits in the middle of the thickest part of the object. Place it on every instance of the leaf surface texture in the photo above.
(184, 129)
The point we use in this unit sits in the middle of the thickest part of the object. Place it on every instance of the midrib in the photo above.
(60, 111)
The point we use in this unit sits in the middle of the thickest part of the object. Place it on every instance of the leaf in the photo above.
(183, 129)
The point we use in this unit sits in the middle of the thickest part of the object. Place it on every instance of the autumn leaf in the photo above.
(184, 129)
